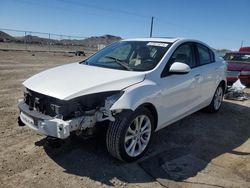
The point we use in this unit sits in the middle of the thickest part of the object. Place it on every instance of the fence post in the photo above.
(49, 42)
(25, 40)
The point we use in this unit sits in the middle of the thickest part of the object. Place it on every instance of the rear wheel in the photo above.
(128, 137)
(215, 104)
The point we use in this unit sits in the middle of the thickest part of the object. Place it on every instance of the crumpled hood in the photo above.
(73, 80)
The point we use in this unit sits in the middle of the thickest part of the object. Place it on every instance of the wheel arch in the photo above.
(224, 85)
(152, 109)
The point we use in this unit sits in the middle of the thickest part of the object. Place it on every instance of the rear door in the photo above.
(210, 71)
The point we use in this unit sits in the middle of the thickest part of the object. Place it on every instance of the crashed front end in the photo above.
(58, 118)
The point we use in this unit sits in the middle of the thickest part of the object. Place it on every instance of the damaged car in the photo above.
(135, 87)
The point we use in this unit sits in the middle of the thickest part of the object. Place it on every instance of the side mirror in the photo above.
(179, 68)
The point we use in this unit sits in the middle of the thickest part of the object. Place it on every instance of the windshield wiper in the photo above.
(84, 62)
(120, 62)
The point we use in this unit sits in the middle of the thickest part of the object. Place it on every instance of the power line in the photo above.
(81, 4)
(119, 11)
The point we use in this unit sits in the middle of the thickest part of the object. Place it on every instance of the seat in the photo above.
(143, 53)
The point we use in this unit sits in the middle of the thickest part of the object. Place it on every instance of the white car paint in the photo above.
(173, 97)
(73, 80)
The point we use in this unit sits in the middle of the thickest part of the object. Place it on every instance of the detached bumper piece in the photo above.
(43, 124)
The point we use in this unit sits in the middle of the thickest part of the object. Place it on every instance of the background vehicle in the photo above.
(244, 49)
(135, 86)
(80, 53)
(238, 67)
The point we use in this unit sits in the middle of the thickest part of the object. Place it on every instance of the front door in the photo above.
(180, 93)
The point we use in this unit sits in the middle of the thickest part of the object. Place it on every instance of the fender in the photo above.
(138, 94)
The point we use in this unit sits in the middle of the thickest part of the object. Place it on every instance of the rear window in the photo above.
(238, 57)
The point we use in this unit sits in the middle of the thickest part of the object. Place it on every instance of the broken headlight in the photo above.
(112, 99)
(87, 105)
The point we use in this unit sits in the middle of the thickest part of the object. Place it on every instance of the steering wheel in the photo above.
(149, 60)
(148, 63)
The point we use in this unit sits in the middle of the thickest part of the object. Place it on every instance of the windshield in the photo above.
(238, 57)
(129, 55)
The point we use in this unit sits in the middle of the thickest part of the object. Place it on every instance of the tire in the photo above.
(216, 102)
(137, 137)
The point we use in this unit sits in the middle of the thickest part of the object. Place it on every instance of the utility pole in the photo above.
(152, 24)
(241, 43)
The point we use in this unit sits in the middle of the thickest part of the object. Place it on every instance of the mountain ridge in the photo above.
(90, 41)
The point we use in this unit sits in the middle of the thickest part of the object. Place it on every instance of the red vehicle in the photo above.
(244, 49)
(238, 67)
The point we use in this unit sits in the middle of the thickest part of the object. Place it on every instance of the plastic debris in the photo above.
(235, 92)
(237, 86)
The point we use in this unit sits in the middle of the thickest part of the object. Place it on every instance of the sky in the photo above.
(219, 23)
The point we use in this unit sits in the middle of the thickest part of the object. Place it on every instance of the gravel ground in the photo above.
(220, 140)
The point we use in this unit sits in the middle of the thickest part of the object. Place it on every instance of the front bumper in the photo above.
(56, 127)
(44, 124)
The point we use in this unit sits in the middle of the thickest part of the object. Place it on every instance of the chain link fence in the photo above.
(45, 42)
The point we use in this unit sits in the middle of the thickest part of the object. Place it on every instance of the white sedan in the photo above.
(134, 87)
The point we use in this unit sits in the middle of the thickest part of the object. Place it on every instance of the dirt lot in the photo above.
(45, 48)
(202, 150)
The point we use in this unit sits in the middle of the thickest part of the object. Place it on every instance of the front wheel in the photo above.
(216, 102)
(129, 135)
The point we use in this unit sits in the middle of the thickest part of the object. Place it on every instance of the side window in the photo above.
(205, 55)
(184, 54)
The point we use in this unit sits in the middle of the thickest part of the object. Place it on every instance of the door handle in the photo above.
(197, 76)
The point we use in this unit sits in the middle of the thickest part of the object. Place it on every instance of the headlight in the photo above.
(245, 73)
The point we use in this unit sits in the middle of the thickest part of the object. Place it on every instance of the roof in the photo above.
(167, 40)
(152, 39)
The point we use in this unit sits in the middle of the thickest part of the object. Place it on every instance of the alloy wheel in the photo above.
(138, 135)
(218, 97)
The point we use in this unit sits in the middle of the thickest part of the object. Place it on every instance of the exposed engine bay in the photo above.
(85, 105)
(40, 111)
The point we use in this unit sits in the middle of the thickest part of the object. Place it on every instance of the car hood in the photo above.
(238, 66)
(73, 80)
